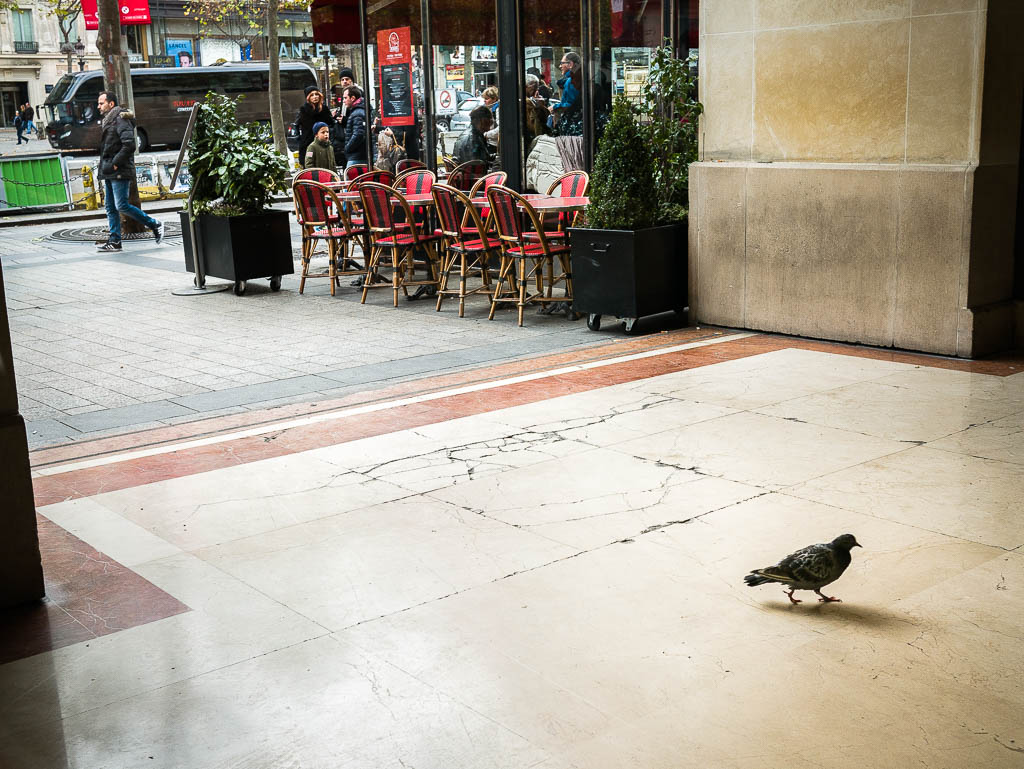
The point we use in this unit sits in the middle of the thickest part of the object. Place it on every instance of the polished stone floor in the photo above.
(546, 570)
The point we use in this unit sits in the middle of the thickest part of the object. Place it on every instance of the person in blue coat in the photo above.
(567, 113)
(355, 127)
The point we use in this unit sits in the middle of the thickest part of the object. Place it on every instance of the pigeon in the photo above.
(811, 568)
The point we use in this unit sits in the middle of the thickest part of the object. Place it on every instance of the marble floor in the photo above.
(545, 570)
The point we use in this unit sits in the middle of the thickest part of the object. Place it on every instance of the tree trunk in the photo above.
(276, 118)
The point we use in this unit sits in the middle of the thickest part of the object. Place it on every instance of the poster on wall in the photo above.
(395, 62)
(181, 51)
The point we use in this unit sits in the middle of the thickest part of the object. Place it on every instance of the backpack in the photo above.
(17, 120)
(389, 150)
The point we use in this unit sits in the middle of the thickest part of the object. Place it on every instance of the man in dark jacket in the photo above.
(355, 127)
(117, 170)
(472, 145)
(345, 78)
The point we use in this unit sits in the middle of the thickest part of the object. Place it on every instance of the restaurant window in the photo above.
(552, 33)
(387, 100)
(463, 36)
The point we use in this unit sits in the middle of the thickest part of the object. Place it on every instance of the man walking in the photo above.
(117, 170)
(19, 124)
(28, 116)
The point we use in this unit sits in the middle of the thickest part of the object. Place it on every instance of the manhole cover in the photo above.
(99, 233)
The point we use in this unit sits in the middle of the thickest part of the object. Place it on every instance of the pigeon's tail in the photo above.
(763, 576)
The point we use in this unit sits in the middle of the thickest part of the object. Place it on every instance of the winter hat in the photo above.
(310, 89)
(346, 72)
(318, 126)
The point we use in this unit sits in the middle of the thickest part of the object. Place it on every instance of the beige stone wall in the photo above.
(868, 81)
(859, 167)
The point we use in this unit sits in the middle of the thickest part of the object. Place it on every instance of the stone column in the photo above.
(858, 171)
(21, 571)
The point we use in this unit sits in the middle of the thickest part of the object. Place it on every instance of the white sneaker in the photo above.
(158, 233)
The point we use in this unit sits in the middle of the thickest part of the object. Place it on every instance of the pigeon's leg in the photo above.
(826, 599)
(791, 598)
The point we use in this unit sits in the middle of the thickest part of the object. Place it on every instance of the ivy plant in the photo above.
(234, 168)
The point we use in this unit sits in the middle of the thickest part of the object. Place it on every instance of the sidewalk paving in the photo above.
(101, 345)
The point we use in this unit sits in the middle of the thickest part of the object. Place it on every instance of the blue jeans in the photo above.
(117, 203)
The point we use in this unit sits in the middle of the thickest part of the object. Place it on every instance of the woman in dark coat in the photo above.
(312, 112)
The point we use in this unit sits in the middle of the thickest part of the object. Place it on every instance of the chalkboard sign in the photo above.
(395, 55)
(396, 93)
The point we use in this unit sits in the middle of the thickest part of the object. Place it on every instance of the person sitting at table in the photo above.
(472, 145)
(320, 153)
(536, 113)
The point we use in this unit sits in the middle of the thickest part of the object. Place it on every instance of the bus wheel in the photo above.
(141, 140)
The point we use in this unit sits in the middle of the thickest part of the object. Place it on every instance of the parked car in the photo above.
(460, 120)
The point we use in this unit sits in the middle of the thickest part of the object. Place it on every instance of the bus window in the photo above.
(296, 79)
(240, 82)
(149, 85)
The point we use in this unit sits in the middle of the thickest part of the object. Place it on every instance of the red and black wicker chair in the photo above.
(480, 191)
(394, 248)
(376, 176)
(418, 181)
(463, 177)
(572, 184)
(319, 175)
(408, 165)
(525, 261)
(354, 171)
(471, 251)
(324, 218)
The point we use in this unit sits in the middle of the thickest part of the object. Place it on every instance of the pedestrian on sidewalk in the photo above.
(117, 170)
(19, 124)
(28, 115)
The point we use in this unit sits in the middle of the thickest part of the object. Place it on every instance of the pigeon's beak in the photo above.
(857, 544)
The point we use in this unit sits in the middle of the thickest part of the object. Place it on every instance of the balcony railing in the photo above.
(26, 47)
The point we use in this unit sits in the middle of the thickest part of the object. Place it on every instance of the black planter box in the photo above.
(241, 248)
(629, 273)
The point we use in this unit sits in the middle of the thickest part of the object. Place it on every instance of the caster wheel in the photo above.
(594, 322)
(629, 323)
(239, 287)
(275, 283)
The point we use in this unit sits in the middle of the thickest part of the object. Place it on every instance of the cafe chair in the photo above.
(319, 175)
(463, 177)
(354, 171)
(525, 261)
(572, 184)
(392, 247)
(376, 176)
(407, 164)
(418, 181)
(450, 163)
(324, 218)
(470, 250)
(480, 191)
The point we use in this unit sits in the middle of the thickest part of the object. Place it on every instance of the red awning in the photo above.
(335, 21)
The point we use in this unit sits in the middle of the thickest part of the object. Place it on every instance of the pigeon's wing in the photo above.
(811, 565)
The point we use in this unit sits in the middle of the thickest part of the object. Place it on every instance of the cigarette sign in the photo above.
(446, 101)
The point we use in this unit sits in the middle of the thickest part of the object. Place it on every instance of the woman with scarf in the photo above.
(567, 113)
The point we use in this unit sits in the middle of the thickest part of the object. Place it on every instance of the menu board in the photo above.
(395, 56)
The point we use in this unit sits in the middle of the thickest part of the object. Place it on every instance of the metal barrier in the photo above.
(34, 181)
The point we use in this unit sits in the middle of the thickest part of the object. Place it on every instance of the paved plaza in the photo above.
(102, 346)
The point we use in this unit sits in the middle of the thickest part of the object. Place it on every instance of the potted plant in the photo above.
(235, 172)
(629, 258)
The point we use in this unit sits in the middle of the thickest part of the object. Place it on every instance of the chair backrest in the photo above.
(376, 199)
(353, 171)
(506, 205)
(407, 164)
(313, 202)
(465, 176)
(448, 201)
(376, 177)
(415, 182)
(321, 175)
(484, 183)
(450, 163)
(572, 184)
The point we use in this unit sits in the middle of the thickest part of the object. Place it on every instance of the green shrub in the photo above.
(235, 170)
(622, 190)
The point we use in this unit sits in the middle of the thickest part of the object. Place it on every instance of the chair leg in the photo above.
(332, 262)
(523, 278)
(371, 271)
(305, 265)
(503, 270)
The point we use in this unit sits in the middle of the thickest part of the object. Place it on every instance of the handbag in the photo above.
(389, 150)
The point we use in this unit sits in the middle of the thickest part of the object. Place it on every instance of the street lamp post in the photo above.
(80, 53)
(67, 49)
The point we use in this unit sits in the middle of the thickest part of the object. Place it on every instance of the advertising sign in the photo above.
(181, 51)
(454, 72)
(447, 101)
(394, 55)
(130, 11)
